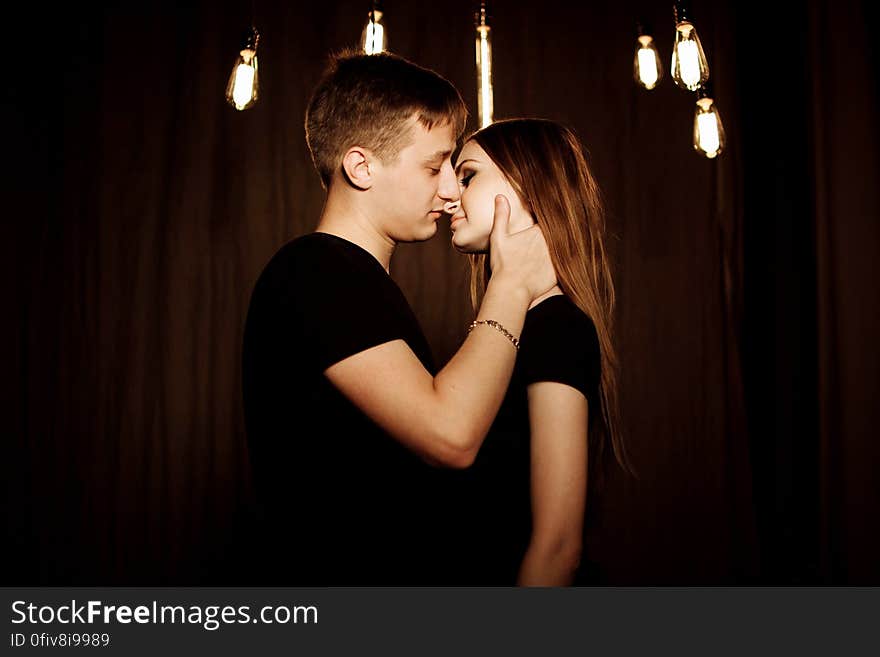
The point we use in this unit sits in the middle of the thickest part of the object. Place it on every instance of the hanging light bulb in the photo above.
(373, 38)
(243, 87)
(485, 101)
(708, 130)
(689, 66)
(647, 69)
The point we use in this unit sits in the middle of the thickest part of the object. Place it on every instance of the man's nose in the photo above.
(451, 207)
(448, 190)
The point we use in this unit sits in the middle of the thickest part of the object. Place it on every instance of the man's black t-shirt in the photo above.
(558, 343)
(343, 503)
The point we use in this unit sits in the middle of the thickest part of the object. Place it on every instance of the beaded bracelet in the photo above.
(497, 326)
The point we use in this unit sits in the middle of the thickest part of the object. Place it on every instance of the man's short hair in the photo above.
(367, 100)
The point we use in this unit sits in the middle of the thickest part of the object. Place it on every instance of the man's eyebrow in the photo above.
(459, 165)
(439, 155)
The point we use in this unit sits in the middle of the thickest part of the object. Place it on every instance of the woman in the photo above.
(527, 490)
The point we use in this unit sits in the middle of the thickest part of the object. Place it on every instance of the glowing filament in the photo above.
(709, 140)
(708, 128)
(688, 63)
(243, 90)
(374, 42)
(484, 71)
(374, 37)
(648, 67)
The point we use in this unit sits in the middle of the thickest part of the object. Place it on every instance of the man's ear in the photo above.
(356, 165)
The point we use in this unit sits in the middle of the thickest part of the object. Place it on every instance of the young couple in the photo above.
(372, 466)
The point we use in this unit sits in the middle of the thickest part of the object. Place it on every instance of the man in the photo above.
(351, 429)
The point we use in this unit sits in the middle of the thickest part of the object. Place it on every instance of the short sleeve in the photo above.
(340, 302)
(560, 345)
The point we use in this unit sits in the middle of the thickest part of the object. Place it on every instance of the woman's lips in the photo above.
(454, 221)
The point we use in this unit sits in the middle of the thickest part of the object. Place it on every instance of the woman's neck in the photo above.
(552, 292)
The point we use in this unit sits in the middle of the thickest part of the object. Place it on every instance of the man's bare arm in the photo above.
(445, 418)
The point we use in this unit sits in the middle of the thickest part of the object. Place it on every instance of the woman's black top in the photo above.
(558, 343)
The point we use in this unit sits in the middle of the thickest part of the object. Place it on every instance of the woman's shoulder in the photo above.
(559, 343)
(558, 329)
(559, 318)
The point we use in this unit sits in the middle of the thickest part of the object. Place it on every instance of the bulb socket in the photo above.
(681, 11)
(482, 17)
(250, 39)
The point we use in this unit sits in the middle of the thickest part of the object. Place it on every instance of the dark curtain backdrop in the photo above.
(140, 209)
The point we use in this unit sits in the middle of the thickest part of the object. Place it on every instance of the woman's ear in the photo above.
(356, 167)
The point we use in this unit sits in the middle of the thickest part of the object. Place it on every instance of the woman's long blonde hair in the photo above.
(545, 163)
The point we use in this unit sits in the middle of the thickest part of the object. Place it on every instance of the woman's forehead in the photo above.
(471, 151)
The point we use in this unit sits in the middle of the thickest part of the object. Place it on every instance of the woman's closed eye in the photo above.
(464, 180)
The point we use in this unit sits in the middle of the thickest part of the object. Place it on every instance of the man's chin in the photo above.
(430, 231)
(423, 234)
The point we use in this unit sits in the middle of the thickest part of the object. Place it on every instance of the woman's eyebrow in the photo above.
(459, 165)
